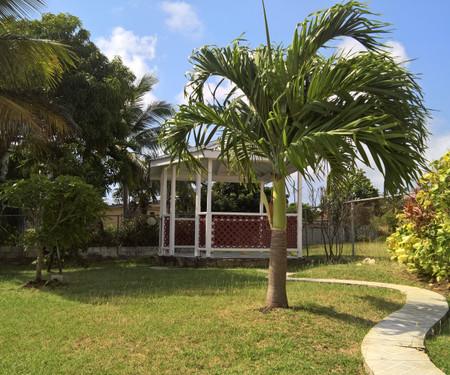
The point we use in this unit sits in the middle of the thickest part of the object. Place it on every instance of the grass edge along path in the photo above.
(396, 344)
(437, 342)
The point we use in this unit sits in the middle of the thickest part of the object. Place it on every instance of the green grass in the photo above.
(125, 318)
(362, 250)
(119, 318)
(438, 342)
(382, 271)
(438, 345)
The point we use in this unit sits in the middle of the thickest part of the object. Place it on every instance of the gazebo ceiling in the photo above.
(220, 173)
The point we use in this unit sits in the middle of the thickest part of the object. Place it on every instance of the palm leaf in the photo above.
(24, 113)
(19, 8)
(31, 64)
(300, 108)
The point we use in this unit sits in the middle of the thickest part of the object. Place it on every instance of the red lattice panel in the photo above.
(291, 232)
(166, 231)
(184, 232)
(230, 231)
(202, 232)
(240, 232)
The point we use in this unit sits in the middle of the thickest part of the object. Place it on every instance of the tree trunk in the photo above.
(276, 292)
(50, 262)
(59, 259)
(39, 262)
(125, 200)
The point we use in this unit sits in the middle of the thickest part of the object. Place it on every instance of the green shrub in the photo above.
(422, 238)
(139, 231)
(385, 224)
(362, 238)
(106, 237)
(380, 239)
(9, 235)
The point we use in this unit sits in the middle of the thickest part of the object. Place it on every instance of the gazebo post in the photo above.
(261, 203)
(163, 207)
(173, 195)
(198, 197)
(261, 211)
(299, 216)
(208, 210)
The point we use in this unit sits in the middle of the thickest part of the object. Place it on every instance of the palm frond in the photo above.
(32, 64)
(22, 113)
(294, 106)
(19, 8)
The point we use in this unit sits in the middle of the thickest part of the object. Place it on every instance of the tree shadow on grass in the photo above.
(330, 313)
(382, 304)
(108, 280)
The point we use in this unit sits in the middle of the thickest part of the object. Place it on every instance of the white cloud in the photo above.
(398, 52)
(439, 141)
(180, 98)
(182, 18)
(396, 49)
(149, 98)
(117, 10)
(350, 46)
(134, 50)
(220, 94)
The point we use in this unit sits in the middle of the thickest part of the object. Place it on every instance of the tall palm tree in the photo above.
(141, 142)
(27, 66)
(294, 106)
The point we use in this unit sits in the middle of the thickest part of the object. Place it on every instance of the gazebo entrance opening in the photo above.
(209, 231)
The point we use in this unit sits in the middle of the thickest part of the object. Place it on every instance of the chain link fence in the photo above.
(327, 229)
(333, 225)
(111, 231)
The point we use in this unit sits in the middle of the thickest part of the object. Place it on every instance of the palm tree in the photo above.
(296, 107)
(26, 67)
(141, 142)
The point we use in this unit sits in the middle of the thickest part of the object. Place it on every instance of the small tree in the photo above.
(334, 212)
(301, 110)
(62, 212)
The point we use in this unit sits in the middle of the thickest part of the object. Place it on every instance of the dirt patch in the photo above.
(442, 287)
(39, 284)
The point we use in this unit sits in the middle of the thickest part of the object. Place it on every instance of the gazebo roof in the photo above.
(220, 173)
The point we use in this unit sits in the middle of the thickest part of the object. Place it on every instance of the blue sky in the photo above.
(158, 37)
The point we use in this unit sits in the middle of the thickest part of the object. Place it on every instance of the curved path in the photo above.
(395, 346)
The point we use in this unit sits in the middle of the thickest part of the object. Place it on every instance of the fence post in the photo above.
(353, 228)
(117, 234)
(306, 232)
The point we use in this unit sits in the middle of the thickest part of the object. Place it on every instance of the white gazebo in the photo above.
(210, 231)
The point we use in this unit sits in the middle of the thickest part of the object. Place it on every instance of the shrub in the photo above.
(139, 231)
(422, 238)
(104, 236)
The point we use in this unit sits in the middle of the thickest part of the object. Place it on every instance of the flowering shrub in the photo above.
(422, 238)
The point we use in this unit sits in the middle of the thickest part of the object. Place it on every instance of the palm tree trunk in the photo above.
(276, 292)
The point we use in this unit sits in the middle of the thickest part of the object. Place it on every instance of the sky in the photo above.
(157, 37)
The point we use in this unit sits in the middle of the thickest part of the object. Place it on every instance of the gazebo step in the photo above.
(223, 260)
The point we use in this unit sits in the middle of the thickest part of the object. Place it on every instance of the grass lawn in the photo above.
(125, 318)
(362, 249)
(438, 343)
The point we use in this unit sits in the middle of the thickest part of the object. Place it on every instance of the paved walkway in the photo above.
(395, 346)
